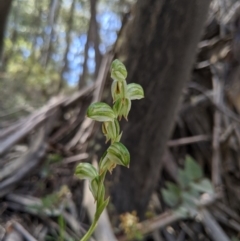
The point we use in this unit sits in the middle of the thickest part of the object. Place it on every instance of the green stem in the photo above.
(89, 233)
(96, 217)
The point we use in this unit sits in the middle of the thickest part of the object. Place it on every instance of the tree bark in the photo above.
(68, 43)
(4, 10)
(52, 19)
(93, 39)
(159, 49)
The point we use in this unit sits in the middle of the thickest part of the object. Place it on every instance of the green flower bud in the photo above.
(115, 90)
(116, 154)
(89, 172)
(86, 171)
(122, 107)
(119, 89)
(100, 111)
(135, 91)
(111, 130)
(118, 70)
(124, 89)
(119, 154)
(117, 107)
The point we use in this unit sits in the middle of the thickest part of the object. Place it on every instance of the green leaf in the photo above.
(100, 111)
(187, 210)
(135, 91)
(171, 195)
(101, 193)
(192, 169)
(101, 207)
(235, 239)
(193, 192)
(171, 198)
(203, 186)
(183, 179)
(188, 200)
(173, 188)
(181, 212)
(54, 158)
(93, 186)
(118, 70)
(86, 171)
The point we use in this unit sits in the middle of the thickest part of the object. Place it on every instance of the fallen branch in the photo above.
(25, 234)
(188, 140)
(212, 227)
(30, 160)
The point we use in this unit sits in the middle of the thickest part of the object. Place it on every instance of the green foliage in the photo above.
(117, 153)
(172, 194)
(62, 225)
(184, 196)
(191, 172)
(61, 232)
(50, 201)
(53, 158)
(53, 203)
(235, 239)
(192, 169)
(46, 170)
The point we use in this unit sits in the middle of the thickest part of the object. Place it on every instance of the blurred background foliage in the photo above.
(49, 45)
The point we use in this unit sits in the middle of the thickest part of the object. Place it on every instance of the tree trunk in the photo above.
(68, 43)
(4, 10)
(52, 19)
(93, 39)
(158, 50)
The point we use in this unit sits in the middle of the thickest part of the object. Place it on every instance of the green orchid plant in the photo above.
(117, 153)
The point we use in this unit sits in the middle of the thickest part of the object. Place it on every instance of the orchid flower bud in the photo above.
(111, 130)
(115, 90)
(85, 170)
(89, 172)
(118, 70)
(119, 154)
(100, 111)
(122, 107)
(116, 154)
(135, 91)
(119, 89)
(124, 89)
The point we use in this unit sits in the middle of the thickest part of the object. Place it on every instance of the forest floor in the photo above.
(41, 199)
